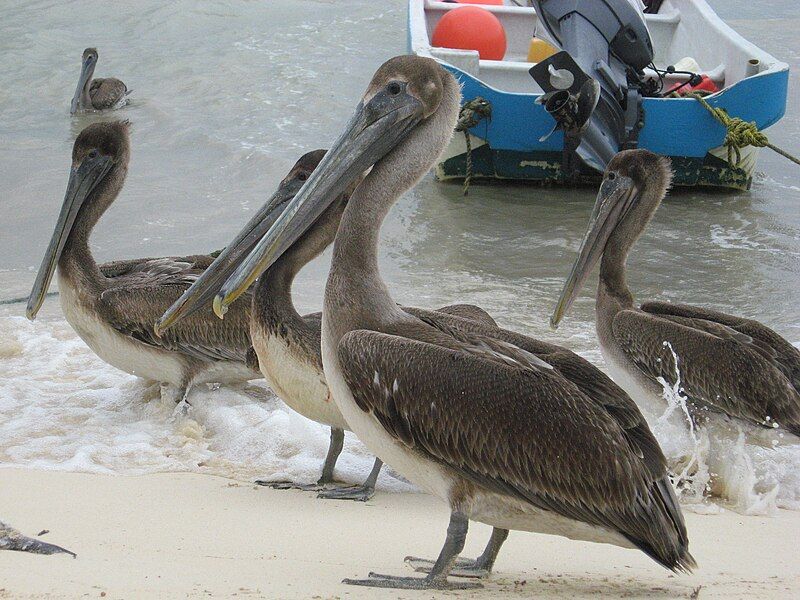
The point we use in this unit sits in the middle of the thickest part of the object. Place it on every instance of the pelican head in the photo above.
(404, 92)
(208, 284)
(88, 63)
(633, 186)
(99, 162)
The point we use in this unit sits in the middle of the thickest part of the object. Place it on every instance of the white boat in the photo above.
(752, 85)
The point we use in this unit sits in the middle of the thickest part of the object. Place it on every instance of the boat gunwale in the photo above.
(417, 24)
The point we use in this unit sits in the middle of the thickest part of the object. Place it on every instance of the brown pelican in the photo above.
(11, 539)
(97, 94)
(727, 364)
(287, 344)
(507, 430)
(113, 307)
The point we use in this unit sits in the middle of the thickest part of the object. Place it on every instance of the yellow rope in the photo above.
(740, 133)
(471, 113)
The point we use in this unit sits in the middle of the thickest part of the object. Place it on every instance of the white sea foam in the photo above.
(62, 408)
(753, 470)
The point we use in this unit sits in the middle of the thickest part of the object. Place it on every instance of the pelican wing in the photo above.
(142, 290)
(594, 384)
(516, 426)
(729, 368)
(107, 93)
(465, 311)
(461, 311)
(190, 265)
(762, 339)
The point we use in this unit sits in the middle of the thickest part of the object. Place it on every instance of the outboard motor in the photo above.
(593, 88)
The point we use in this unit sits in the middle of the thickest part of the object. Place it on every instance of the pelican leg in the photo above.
(467, 567)
(334, 450)
(183, 405)
(437, 577)
(185, 395)
(362, 492)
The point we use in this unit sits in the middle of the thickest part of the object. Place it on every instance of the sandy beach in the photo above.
(189, 535)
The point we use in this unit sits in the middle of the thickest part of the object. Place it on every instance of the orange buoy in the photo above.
(489, 2)
(471, 28)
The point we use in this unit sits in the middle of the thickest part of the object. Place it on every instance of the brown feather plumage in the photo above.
(503, 427)
(728, 364)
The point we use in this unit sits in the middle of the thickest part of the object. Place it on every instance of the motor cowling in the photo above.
(617, 21)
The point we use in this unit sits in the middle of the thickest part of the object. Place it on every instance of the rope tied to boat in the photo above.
(472, 112)
(740, 133)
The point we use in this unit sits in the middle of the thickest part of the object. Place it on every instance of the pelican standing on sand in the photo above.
(113, 307)
(288, 344)
(727, 364)
(97, 94)
(507, 430)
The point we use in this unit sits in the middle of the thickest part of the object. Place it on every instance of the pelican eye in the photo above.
(302, 176)
(611, 176)
(393, 88)
(93, 153)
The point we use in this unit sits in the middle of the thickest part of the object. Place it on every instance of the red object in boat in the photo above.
(471, 28)
(705, 85)
(489, 2)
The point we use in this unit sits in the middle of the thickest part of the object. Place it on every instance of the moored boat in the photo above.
(513, 142)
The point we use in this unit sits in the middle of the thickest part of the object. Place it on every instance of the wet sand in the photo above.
(189, 535)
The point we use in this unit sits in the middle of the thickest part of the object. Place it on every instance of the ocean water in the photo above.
(227, 94)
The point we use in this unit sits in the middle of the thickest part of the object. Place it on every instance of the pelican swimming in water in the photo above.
(97, 94)
(507, 430)
(113, 307)
(11, 539)
(727, 364)
(288, 344)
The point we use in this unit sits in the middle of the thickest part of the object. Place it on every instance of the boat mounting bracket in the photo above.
(606, 42)
(634, 118)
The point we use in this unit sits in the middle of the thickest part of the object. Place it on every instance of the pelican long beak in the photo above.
(613, 201)
(82, 180)
(25, 544)
(209, 283)
(375, 128)
(87, 69)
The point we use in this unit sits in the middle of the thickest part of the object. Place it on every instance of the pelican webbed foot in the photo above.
(325, 480)
(463, 567)
(179, 395)
(412, 583)
(181, 409)
(291, 485)
(437, 577)
(477, 568)
(360, 493)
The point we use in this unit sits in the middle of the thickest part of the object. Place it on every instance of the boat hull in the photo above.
(508, 145)
(544, 166)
